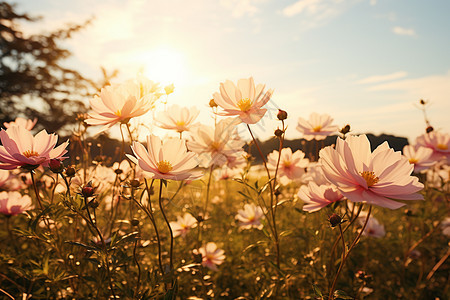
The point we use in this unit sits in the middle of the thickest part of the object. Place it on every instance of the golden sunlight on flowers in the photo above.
(438, 141)
(165, 160)
(419, 156)
(22, 149)
(13, 203)
(250, 217)
(372, 177)
(215, 145)
(244, 100)
(317, 127)
(212, 256)
(27, 123)
(291, 166)
(317, 197)
(119, 103)
(178, 118)
(183, 225)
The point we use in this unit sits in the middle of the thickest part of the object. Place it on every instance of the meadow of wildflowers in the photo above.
(195, 217)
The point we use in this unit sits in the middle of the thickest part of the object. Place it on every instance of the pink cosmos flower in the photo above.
(211, 256)
(27, 123)
(119, 103)
(4, 177)
(318, 127)
(374, 177)
(419, 156)
(22, 149)
(373, 227)
(317, 197)
(250, 217)
(178, 118)
(13, 203)
(244, 100)
(445, 226)
(438, 141)
(291, 167)
(183, 225)
(169, 160)
(215, 145)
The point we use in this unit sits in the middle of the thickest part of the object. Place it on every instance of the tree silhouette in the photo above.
(33, 81)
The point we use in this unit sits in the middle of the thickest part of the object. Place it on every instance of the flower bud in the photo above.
(282, 115)
(70, 172)
(335, 220)
(429, 129)
(134, 222)
(345, 129)
(135, 183)
(56, 165)
(88, 190)
(278, 132)
(423, 102)
(169, 89)
(212, 103)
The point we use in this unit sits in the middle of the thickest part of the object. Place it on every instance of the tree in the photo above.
(33, 81)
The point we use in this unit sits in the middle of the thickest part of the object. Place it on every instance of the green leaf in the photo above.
(317, 290)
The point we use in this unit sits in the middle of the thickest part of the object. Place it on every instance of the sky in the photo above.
(367, 63)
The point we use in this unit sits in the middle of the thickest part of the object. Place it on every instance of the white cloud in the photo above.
(404, 31)
(309, 6)
(241, 8)
(381, 78)
(316, 13)
(373, 2)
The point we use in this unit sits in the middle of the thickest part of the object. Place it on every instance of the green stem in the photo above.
(345, 257)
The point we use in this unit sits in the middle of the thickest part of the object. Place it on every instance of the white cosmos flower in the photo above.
(178, 118)
(165, 160)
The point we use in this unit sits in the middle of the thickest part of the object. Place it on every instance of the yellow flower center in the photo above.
(442, 147)
(370, 177)
(244, 104)
(180, 123)
(413, 160)
(30, 153)
(164, 166)
(215, 146)
(287, 164)
(118, 113)
(317, 128)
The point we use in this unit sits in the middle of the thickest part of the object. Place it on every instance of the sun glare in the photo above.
(164, 65)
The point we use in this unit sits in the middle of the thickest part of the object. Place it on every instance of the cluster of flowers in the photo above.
(350, 170)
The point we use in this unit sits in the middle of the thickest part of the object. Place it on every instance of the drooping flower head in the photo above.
(183, 225)
(165, 160)
(244, 100)
(215, 145)
(27, 123)
(120, 102)
(211, 256)
(291, 167)
(419, 156)
(317, 197)
(438, 141)
(22, 149)
(250, 217)
(375, 177)
(13, 203)
(178, 118)
(317, 127)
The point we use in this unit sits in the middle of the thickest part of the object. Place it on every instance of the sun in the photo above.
(164, 65)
